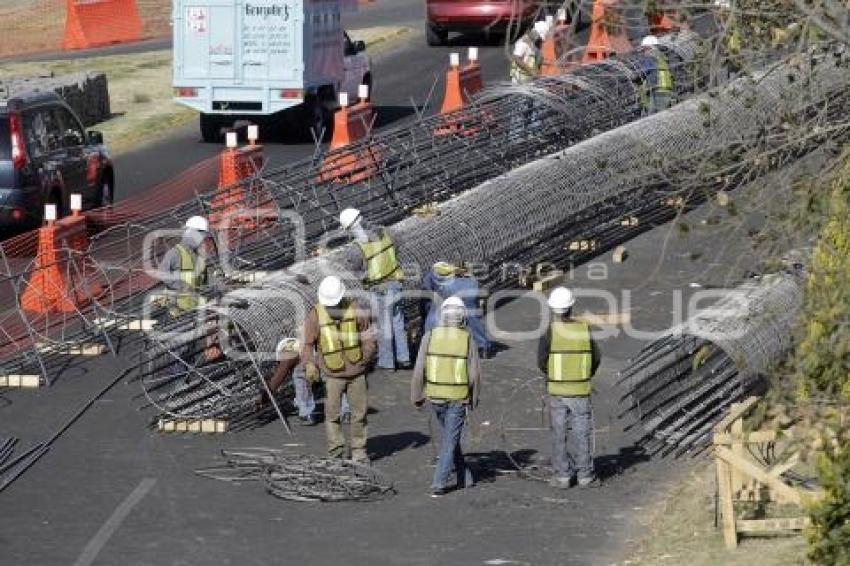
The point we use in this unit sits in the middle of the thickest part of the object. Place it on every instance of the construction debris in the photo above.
(299, 477)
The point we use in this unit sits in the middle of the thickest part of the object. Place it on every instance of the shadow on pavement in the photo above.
(386, 445)
(487, 466)
(612, 465)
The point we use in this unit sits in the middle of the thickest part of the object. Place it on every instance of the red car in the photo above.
(488, 16)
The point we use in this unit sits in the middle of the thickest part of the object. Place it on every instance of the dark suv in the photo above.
(45, 156)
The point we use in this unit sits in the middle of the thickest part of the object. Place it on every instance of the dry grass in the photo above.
(140, 88)
(680, 530)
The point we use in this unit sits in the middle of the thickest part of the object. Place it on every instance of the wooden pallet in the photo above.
(20, 381)
(740, 478)
(196, 426)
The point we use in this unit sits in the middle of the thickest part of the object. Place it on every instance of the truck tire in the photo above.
(435, 35)
(210, 128)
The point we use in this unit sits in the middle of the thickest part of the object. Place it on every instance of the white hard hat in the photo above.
(561, 299)
(542, 28)
(198, 223)
(649, 41)
(453, 302)
(331, 290)
(286, 345)
(348, 217)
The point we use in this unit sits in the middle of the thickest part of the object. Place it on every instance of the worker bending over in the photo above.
(445, 280)
(527, 57)
(337, 339)
(657, 91)
(447, 375)
(287, 354)
(569, 358)
(373, 258)
(184, 269)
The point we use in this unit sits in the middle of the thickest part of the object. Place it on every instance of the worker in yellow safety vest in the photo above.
(568, 357)
(447, 375)
(184, 270)
(730, 38)
(339, 342)
(373, 258)
(527, 57)
(657, 92)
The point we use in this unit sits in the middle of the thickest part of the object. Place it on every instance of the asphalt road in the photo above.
(404, 72)
(113, 492)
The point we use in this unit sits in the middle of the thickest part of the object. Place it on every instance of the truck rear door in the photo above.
(208, 39)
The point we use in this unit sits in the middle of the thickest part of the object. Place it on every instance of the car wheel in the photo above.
(435, 35)
(210, 128)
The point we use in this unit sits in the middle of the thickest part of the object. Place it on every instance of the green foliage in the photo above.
(821, 366)
(829, 536)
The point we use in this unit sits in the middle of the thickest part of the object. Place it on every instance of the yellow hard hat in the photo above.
(444, 268)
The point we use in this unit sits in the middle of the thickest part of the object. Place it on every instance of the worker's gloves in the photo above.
(311, 372)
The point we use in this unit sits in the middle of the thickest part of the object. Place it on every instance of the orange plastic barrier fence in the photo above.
(85, 19)
(461, 81)
(58, 282)
(233, 196)
(351, 124)
(35, 26)
(608, 35)
(556, 45)
(666, 21)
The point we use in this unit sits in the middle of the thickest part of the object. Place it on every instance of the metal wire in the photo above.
(300, 477)
(531, 212)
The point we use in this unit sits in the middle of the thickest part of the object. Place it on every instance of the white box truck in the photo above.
(248, 59)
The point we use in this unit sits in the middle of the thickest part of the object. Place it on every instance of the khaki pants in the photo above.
(355, 388)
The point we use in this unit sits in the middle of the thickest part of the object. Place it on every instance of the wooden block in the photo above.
(727, 509)
(620, 254)
(582, 245)
(772, 525)
(428, 210)
(202, 426)
(132, 325)
(20, 381)
(630, 221)
(76, 349)
(607, 319)
(551, 280)
(723, 198)
(248, 276)
(675, 201)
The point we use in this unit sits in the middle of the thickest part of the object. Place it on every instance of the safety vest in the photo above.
(381, 262)
(192, 275)
(570, 359)
(446, 371)
(533, 61)
(664, 77)
(339, 340)
(733, 39)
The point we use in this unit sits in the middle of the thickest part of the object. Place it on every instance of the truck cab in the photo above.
(249, 59)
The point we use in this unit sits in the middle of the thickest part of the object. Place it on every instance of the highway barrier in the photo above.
(352, 124)
(94, 23)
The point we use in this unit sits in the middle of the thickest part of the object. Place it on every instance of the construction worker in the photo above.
(447, 375)
(339, 341)
(568, 357)
(444, 280)
(373, 258)
(287, 354)
(184, 269)
(730, 39)
(527, 57)
(657, 91)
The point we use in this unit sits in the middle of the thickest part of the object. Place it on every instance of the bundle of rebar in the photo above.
(416, 163)
(525, 214)
(300, 477)
(679, 386)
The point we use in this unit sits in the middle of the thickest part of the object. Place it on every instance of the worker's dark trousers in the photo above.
(573, 415)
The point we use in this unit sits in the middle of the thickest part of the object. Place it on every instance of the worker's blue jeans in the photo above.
(392, 338)
(452, 417)
(304, 400)
(576, 412)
